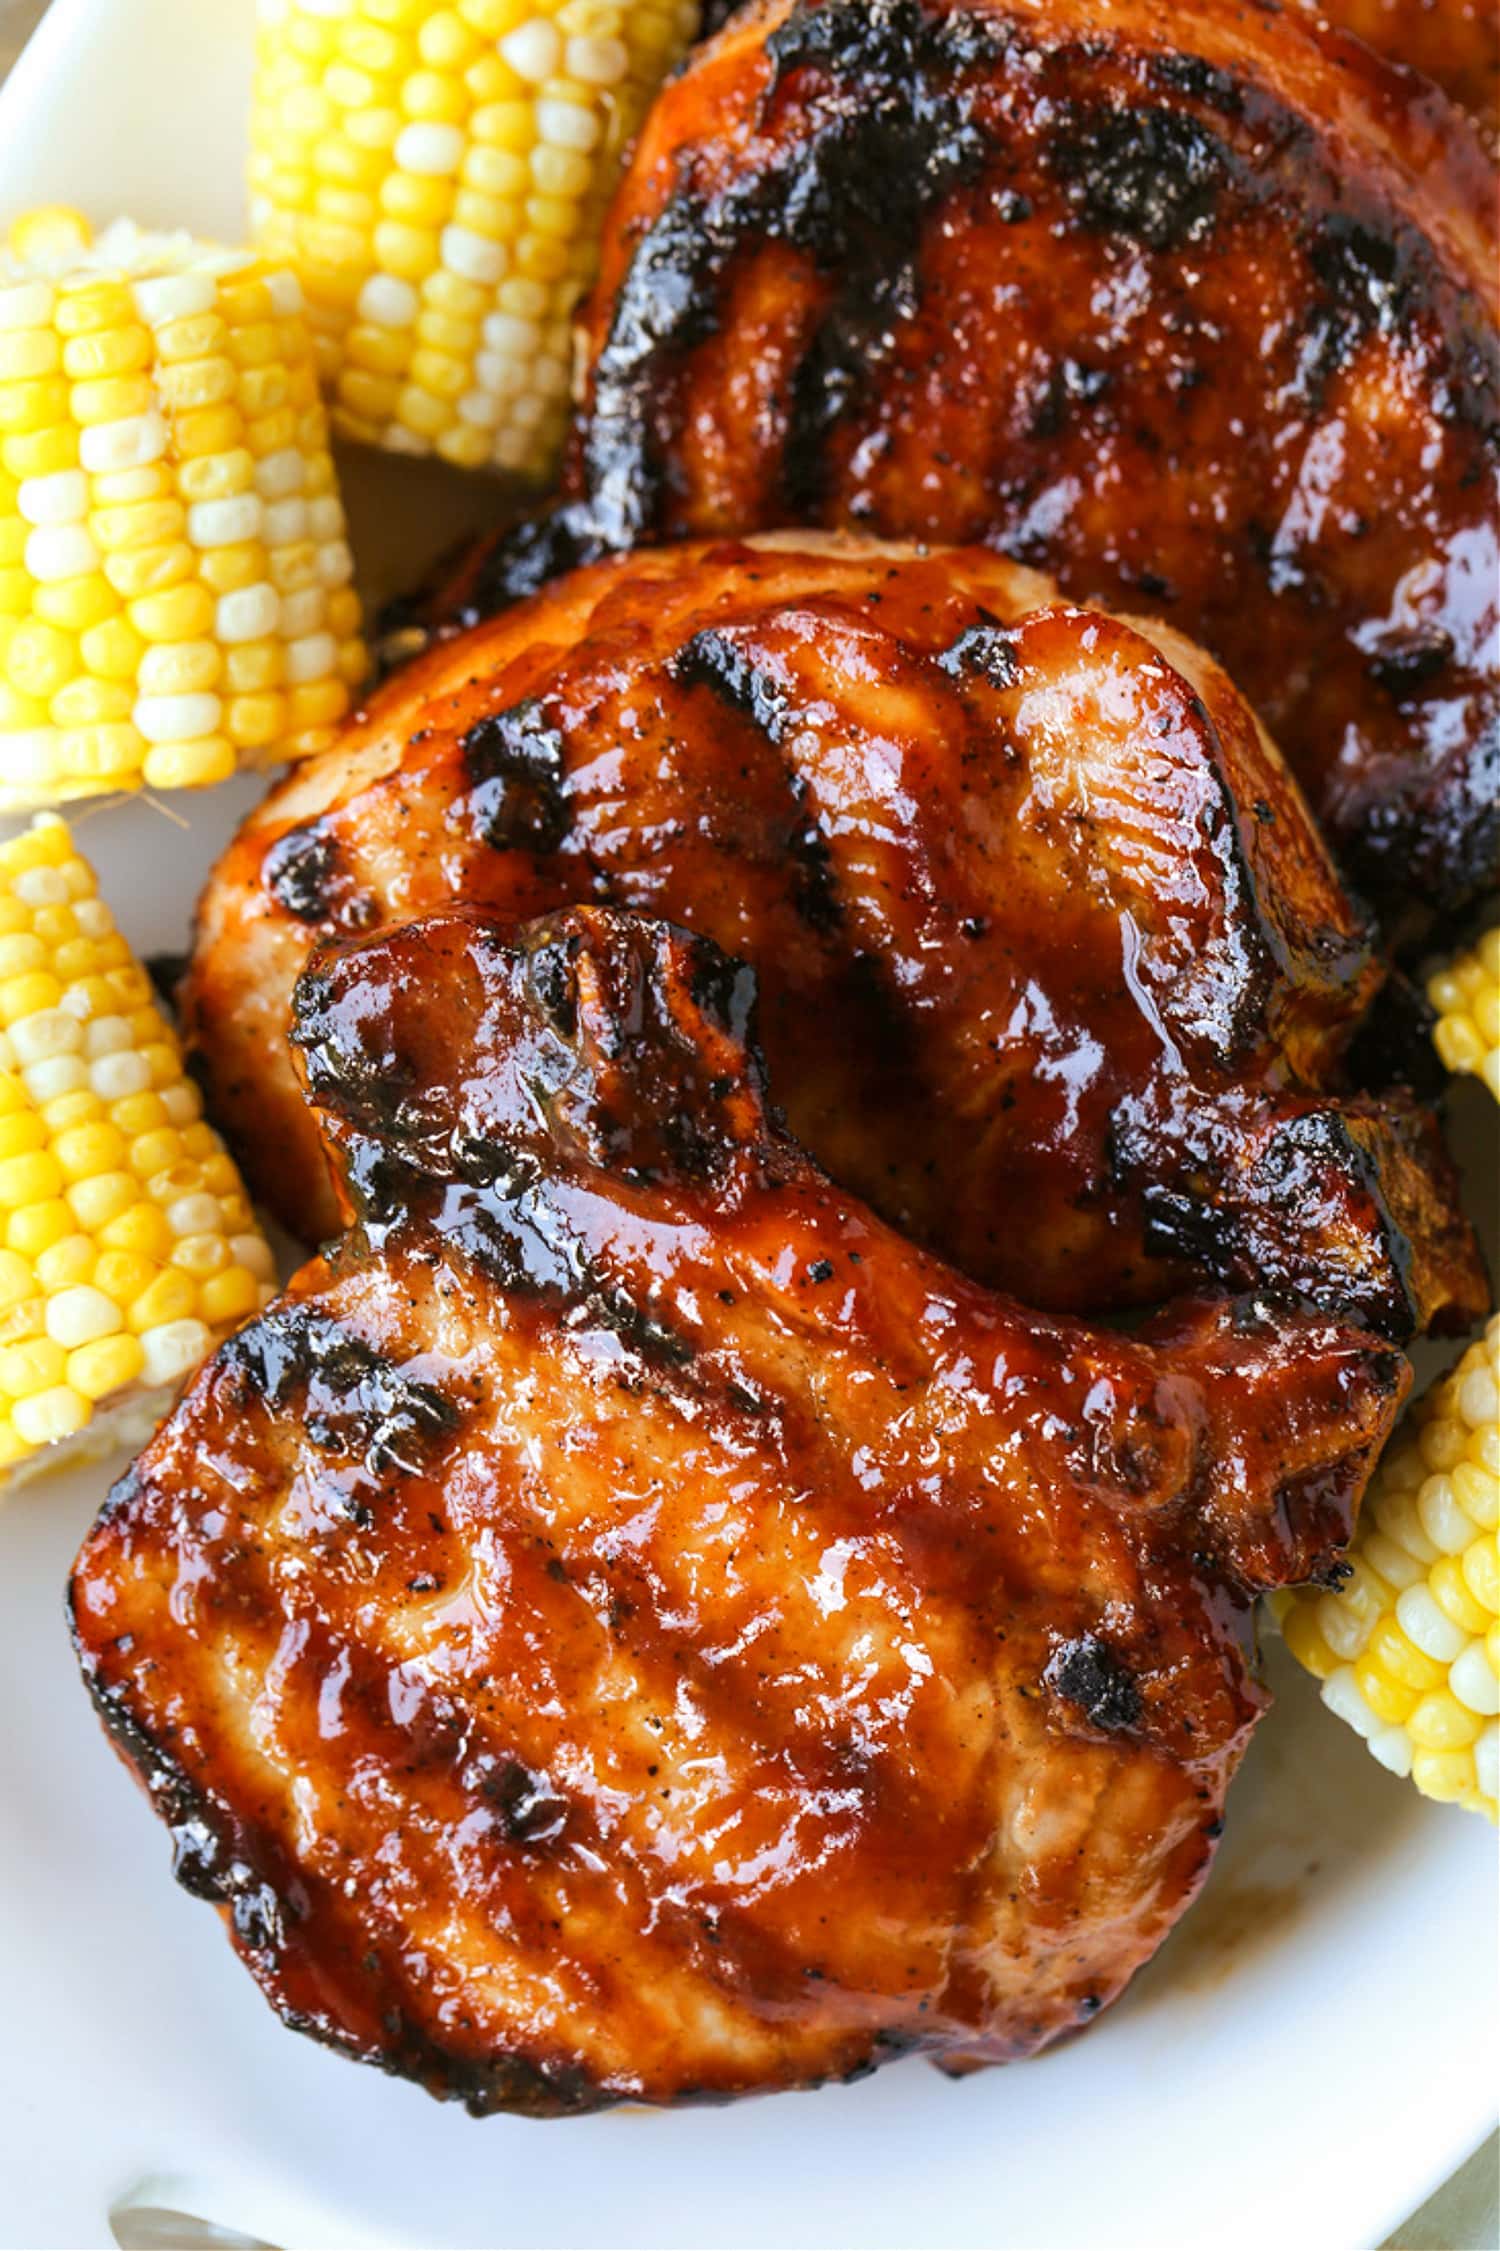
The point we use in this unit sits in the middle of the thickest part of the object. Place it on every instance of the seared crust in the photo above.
(1455, 43)
(1056, 972)
(628, 1625)
(1193, 307)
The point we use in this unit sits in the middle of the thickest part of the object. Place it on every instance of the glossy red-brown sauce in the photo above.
(628, 1625)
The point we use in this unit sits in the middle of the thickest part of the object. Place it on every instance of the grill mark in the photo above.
(515, 763)
(1255, 1234)
(1147, 174)
(716, 661)
(355, 1403)
(500, 1774)
(852, 192)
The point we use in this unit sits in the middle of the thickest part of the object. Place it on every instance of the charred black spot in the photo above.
(302, 873)
(1069, 383)
(989, 649)
(516, 767)
(717, 661)
(528, 556)
(885, 136)
(1407, 659)
(1201, 81)
(554, 986)
(354, 1402)
(528, 1808)
(1093, 1677)
(1152, 175)
(724, 989)
(255, 1912)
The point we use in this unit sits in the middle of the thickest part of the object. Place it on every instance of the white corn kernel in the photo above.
(280, 474)
(431, 151)
(284, 521)
(80, 1316)
(304, 612)
(1487, 1762)
(166, 297)
(106, 1035)
(50, 1032)
(253, 1253)
(195, 1215)
(1344, 1696)
(473, 256)
(598, 62)
(224, 523)
(325, 517)
(568, 126)
(41, 887)
(172, 1348)
(534, 51)
(177, 719)
(335, 564)
(387, 302)
(115, 1077)
(55, 552)
(62, 498)
(58, 1074)
(1392, 1746)
(26, 304)
(1424, 1623)
(311, 658)
(250, 613)
(1472, 1680)
(132, 443)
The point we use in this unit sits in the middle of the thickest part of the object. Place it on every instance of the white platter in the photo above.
(1310, 2056)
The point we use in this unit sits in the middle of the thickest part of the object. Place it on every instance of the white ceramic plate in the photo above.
(1308, 2058)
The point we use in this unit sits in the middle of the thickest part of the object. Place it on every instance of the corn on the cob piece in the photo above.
(175, 579)
(127, 1244)
(1409, 1650)
(1466, 995)
(437, 177)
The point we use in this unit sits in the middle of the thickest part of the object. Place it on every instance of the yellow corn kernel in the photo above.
(1466, 995)
(228, 1297)
(419, 159)
(32, 1366)
(110, 1285)
(172, 1296)
(33, 1227)
(154, 411)
(46, 1418)
(108, 1365)
(141, 1231)
(1430, 1676)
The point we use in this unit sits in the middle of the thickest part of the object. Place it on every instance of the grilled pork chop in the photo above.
(1192, 306)
(1054, 969)
(626, 1624)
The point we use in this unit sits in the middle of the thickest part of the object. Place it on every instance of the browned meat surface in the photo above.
(627, 1624)
(1055, 971)
(1192, 306)
(1456, 43)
